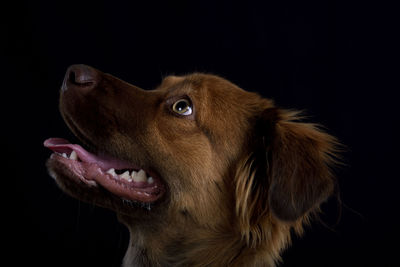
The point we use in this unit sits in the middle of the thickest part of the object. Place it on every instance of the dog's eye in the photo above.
(182, 107)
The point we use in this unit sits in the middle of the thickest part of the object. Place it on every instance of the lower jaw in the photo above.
(92, 177)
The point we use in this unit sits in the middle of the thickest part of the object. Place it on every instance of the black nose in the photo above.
(80, 77)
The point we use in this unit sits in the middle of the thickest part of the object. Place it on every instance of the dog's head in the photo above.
(197, 149)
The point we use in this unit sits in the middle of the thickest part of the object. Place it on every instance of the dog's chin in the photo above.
(102, 180)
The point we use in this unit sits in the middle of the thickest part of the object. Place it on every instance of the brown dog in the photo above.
(202, 172)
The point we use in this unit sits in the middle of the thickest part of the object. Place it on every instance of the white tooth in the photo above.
(112, 172)
(73, 156)
(133, 174)
(126, 176)
(64, 155)
(150, 180)
(140, 176)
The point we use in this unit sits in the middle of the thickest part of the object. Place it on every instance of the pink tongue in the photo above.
(61, 145)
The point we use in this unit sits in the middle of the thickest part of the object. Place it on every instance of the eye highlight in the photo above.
(182, 107)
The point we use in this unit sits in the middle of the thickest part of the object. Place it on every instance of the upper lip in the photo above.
(105, 162)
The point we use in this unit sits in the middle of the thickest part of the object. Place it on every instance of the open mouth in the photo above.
(119, 177)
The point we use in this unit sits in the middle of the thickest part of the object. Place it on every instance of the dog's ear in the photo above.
(299, 162)
(289, 171)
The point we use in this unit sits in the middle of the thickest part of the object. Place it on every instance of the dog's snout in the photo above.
(81, 77)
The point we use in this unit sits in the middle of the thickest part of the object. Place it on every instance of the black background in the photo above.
(334, 60)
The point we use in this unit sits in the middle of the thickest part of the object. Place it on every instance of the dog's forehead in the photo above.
(197, 82)
(178, 85)
(171, 80)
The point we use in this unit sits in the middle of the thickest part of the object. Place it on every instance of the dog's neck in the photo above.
(189, 247)
(156, 250)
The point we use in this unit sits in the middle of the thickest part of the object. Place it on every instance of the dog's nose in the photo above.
(80, 77)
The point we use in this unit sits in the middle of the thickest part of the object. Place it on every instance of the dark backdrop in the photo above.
(334, 60)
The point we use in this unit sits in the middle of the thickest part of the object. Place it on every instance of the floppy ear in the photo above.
(300, 157)
(288, 173)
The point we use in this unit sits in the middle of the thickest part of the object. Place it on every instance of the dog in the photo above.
(202, 172)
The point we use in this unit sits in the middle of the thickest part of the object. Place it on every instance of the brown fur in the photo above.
(240, 172)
